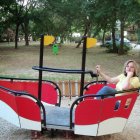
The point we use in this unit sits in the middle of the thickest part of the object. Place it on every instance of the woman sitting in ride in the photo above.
(125, 81)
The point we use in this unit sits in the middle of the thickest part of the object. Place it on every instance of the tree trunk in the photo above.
(115, 49)
(85, 33)
(26, 33)
(16, 36)
(103, 38)
(62, 39)
(121, 50)
(138, 32)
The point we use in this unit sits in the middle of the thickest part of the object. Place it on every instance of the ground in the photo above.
(18, 63)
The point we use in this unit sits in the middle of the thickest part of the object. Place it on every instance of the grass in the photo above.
(19, 62)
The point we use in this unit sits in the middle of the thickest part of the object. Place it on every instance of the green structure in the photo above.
(55, 49)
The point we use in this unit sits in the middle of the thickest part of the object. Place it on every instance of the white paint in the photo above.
(113, 125)
(29, 124)
(89, 130)
(47, 104)
(8, 114)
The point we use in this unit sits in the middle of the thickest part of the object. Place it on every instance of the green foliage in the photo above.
(126, 47)
(63, 17)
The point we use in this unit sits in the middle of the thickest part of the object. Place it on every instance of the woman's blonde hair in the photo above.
(136, 67)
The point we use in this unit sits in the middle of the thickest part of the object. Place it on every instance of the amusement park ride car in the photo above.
(35, 104)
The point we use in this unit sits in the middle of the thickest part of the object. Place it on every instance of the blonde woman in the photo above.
(125, 81)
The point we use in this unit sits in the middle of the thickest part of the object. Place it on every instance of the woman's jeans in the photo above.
(105, 91)
(108, 90)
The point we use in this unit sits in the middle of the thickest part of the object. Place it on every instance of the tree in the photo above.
(28, 9)
(106, 17)
(126, 16)
(63, 17)
(14, 10)
(4, 16)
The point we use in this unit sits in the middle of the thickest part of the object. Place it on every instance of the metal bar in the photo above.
(40, 65)
(83, 66)
(65, 71)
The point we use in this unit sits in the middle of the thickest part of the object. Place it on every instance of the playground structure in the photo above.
(35, 104)
(55, 49)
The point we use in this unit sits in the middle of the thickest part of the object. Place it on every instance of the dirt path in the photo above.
(131, 132)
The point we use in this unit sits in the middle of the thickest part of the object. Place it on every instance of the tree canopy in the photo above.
(63, 17)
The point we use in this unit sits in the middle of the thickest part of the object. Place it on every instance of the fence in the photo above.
(70, 88)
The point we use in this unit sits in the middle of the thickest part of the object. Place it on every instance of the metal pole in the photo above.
(40, 66)
(83, 66)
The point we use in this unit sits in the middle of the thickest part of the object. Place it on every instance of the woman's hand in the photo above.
(130, 74)
(126, 84)
(98, 69)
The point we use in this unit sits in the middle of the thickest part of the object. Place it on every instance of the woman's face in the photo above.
(130, 67)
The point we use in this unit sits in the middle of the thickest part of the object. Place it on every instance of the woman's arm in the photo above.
(106, 77)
